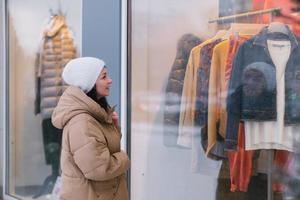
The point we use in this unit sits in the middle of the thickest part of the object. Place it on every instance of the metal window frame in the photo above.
(5, 81)
(126, 79)
(5, 97)
(125, 88)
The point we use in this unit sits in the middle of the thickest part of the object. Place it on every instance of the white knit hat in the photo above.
(83, 72)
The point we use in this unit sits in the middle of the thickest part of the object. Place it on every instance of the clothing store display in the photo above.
(273, 135)
(262, 107)
(223, 56)
(188, 99)
(56, 50)
(174, 88)
(190, 134)
(240, 161)
(203, 83)
(213, 111)
(240, 94)
(202, 94)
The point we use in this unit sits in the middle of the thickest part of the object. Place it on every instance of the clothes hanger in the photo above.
(278, 27)
(220, 34)
(245, 28)
(278, 31)
(237, 29)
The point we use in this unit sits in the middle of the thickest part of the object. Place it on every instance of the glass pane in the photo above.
(1, 100)
(41, 41)
(215, 105)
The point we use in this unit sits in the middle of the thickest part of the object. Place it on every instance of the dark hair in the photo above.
(102, 101)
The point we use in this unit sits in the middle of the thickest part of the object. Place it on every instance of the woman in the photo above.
(93, 166)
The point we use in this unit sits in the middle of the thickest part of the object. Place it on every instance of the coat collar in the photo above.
(56, 23)
(74, 102)
(262, 37)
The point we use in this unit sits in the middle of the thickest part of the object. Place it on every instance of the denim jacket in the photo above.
(260, 105)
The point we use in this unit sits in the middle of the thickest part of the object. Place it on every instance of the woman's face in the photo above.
(103, 84)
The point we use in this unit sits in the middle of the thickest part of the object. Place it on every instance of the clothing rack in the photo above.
(271, 151)
(247, 14)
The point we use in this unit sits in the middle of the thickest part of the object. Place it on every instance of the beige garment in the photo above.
(217, 94)
(93, 166)
(188, 99)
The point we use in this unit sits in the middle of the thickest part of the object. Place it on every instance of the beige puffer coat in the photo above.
(93, 166)
(56, 50)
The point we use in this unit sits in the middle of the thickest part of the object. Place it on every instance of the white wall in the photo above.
(27, 19)
(160, 172)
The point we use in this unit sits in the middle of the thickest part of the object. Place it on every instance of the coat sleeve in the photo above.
(234, 101)
(187, 104)
(92, 156)
(213, 99)
(173, 95)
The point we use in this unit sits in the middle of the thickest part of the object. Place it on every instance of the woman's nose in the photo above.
(109, 80)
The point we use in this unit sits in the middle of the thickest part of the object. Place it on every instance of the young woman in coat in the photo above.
(92, 163)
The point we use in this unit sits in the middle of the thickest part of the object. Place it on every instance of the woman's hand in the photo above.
(115, 118)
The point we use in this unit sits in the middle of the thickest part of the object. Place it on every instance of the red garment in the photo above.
(285, 160)
(234, 43)
(288, 16)
(284, 166)
(258, 4)
(240, 162)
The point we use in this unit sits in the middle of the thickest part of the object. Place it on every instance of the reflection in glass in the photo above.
(184, 142)
(40, 44)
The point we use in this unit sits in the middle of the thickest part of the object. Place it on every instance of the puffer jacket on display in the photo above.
(93, 165)
(174, 88)
(57, 48)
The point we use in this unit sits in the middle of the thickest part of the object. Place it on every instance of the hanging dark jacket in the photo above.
(261, 107)
(174, 88)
